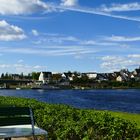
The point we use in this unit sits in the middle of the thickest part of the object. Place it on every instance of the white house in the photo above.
(42, 77)
(132, 76)
(91, 75)
(63, 76)
(70, 78)
(119, 79)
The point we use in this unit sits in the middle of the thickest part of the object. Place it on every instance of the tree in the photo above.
(21, 75)
(2, 76)
(56, 77)
(6, 76)
(35, 75)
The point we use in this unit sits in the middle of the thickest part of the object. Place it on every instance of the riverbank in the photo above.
(65, 122)
(69, 88)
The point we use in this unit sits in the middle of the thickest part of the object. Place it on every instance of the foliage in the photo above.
(56, 77)
(67, 123)
(128, 116)
(8, 76)
(35, 75)
(92, 83)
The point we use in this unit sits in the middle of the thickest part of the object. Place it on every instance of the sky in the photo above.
(69, 35)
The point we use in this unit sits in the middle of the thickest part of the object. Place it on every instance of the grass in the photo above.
(132, 117)
(127, 116)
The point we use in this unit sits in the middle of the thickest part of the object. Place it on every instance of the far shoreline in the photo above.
(83, 88)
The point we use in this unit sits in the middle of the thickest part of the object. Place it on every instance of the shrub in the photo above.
(66, 123)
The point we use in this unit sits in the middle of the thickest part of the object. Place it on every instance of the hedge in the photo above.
(67, 123)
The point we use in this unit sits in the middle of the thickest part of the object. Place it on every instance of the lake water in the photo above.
(116, 100)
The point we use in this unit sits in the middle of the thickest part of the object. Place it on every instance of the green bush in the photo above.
(66, 123)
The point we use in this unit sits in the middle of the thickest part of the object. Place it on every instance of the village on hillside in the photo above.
(49, 80)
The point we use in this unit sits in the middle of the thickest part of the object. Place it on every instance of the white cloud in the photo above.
(97, 43)
(134, 56)
(97, 11)
(110, 58)
(10, 32)
(55, 39)
(4, 66)
(122, 38)
(89, 42)
(19, 7)
(38, 67)
(19, 68)
(35, 32)
(20, 61)
(69, 2)
(28, 68)
(135, 6)
(50, 51)
(25, 7)
(111, 63)
(60, 39)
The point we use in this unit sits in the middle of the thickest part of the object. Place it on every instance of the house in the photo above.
(45, 77)
(56, 77)
(132, 76)
(111, 76)
(123, 75)
(137, 72)
(42, 78)
(64, 82)
(119, 78)
(91, 75)
(64, 76)
(70, 76)
(15, 76)
(102, 77)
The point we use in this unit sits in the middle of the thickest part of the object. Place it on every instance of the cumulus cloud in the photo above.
(10, 32)
(118, 62)
(26, 7)
(19, 7)
(69, 2)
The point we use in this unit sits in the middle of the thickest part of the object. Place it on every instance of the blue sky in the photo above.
(63, 35)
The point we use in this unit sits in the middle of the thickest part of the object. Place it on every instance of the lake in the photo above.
(126, 100)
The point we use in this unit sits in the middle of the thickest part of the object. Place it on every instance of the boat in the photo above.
(18, 88)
